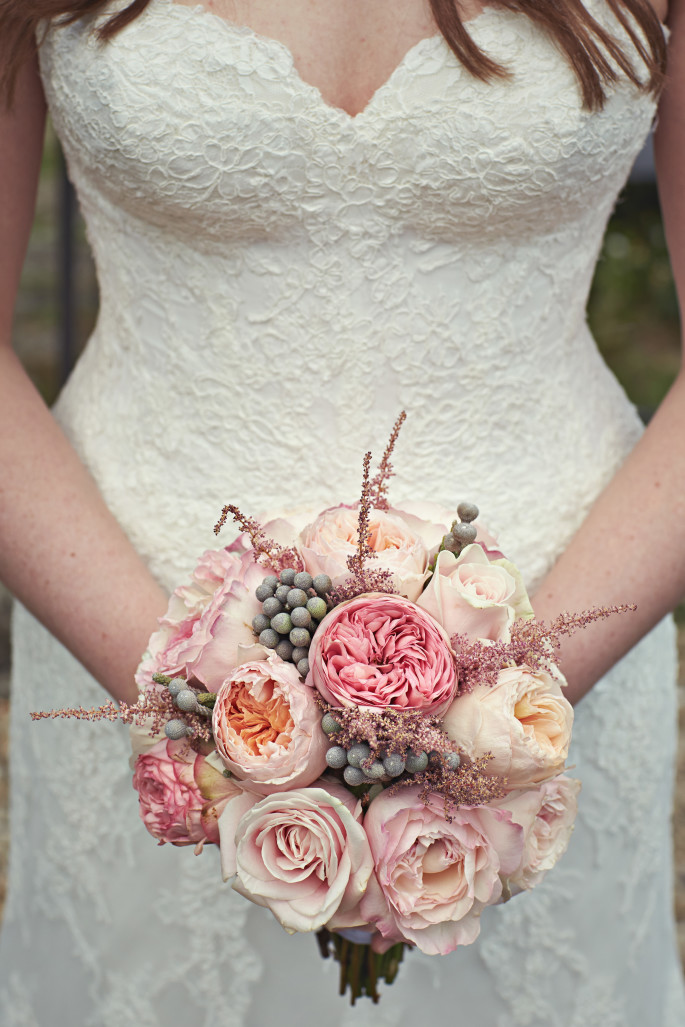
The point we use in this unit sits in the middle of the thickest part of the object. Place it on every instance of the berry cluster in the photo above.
(293, 605)
(360, 768)
(463, 532)
(186, 700)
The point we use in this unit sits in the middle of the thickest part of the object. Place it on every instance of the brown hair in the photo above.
(588, 47)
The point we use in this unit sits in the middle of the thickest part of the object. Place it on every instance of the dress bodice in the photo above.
(277, 269)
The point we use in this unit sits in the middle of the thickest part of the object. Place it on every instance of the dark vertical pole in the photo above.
(66, 270)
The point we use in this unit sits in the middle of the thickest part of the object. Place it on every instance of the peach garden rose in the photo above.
(523, 720)
(267, 726)
(331, 538)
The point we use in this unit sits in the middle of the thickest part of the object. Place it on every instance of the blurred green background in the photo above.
(633, 311)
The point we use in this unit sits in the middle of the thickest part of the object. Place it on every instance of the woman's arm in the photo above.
(63, 554)
(631, 547)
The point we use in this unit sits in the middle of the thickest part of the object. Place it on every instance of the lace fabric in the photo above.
(278, 279)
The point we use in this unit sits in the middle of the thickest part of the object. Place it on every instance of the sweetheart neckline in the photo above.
(277, 46)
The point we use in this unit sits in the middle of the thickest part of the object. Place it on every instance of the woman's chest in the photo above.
(209, 129)
(347, 51)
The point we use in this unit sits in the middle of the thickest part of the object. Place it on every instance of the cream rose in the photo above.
(474, 596)
(547, 814)
(524, 721)
(303, 854)
(434, 875)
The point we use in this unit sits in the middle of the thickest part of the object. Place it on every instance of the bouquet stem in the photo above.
(360, 967)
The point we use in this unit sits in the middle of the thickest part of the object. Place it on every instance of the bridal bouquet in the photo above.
(359, 708)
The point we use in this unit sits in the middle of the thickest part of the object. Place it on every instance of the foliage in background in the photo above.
(633, 311)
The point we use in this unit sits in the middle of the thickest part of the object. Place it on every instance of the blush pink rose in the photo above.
(206, 620)
(524, 721)
(267, 727)
(328, 541)
(474, 596)
(303, 854)
(434, 876)
(547, 814)
(213, 649)
(170, 780)
(381, 650)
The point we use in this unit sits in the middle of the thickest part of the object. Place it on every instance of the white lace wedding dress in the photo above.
(278, 279)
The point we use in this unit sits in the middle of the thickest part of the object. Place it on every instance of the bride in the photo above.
(307, 215)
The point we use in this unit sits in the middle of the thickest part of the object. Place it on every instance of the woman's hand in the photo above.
(63, 554)
(631, 547)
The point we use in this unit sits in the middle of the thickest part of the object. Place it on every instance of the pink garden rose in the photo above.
(225, 625)
(381, 650)
(434, 876)
(206, 620)
(475, 596)
(174, 784)
(267, 727)
(547, 814)
(328, 541)
(211, 570)
(303, 853)
(523, 720)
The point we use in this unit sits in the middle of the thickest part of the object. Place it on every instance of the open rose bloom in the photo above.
(456, 798)
(381, 651)
(436, 875)
(267, 727)
(302, 853)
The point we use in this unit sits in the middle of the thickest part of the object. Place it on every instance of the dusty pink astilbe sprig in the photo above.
(397, 731)
(379, 485)
(468, 785)
(266, 551)
(355, 562)
(533, 643)
(372, 581)
(361, 579)
(479, 663)
(538, 632)
(152, 710)
(108, 711)
(388, 730)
